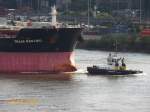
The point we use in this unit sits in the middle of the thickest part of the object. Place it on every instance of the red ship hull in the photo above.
(14, 62)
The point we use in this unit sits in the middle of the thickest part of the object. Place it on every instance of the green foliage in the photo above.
(79, 5)
(10, 3)
(104, 15)
(125, 42)
(73, 13)
(145, 43)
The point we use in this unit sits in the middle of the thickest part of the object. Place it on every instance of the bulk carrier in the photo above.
(38, 49)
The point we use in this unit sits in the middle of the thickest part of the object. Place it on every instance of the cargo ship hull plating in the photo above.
(38, 50)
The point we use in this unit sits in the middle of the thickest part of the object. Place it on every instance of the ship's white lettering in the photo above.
(27, 41)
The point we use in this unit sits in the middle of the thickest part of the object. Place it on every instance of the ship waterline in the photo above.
(15, 62)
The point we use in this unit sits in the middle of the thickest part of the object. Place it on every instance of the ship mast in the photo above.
(89, 9)
(140, 11)
(54, 16)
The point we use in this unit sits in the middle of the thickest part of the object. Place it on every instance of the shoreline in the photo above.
(125, 43)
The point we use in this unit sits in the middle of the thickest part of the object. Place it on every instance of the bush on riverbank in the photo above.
(125, 43)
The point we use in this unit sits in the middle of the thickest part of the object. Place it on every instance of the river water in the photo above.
(79, 92)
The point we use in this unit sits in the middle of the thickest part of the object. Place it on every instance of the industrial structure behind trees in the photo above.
(33, 4)
(80, 5)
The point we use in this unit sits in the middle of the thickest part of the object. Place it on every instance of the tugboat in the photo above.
(114, 67)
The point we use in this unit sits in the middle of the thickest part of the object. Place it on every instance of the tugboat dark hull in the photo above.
(38, 50)
(104, 71)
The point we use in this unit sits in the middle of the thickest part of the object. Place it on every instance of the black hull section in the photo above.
(40, 40)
